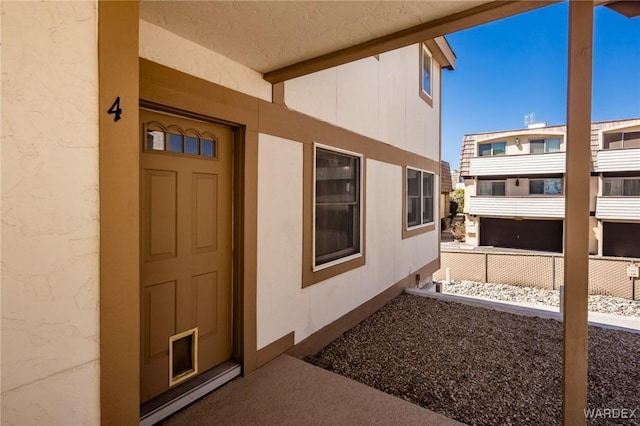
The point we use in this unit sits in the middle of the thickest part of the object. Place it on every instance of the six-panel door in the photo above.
(185, 259)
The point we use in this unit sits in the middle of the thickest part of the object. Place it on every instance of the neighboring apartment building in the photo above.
(445, 188)
(176, 214)
(515, 195)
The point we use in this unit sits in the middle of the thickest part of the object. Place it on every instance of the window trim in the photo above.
(360, 253)
(624, 129)
(544, 194)
(491, 143)
(423, 228)
(504, 181)
(622, 179)
(422, 196)
(427, 97)
(544, 143)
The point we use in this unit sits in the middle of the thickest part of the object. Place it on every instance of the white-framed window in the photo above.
(539, 146)
(492, 188)
(620, 140)
(545, 186)
(492, 149)
(420, 190)
(337, 195)
(621, 187)
(426, 81)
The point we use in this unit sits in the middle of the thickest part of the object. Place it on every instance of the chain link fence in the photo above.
(607, 276)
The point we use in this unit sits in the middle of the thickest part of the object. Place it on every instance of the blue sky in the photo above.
(517, 66)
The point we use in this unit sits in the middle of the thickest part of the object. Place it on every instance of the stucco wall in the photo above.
(378, 98)
(283, 305)
(50, 236)
(166, 48)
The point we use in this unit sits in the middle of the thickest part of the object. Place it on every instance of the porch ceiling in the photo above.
(273, 36)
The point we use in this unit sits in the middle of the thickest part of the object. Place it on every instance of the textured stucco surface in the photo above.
(284, 33)
(166, 48)
(50, 233)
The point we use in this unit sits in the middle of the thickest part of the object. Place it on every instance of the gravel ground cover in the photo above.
(533, 296)
(480, 366)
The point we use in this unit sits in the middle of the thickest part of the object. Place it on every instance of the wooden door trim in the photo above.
(243, 345)
(118, 67)
(241, 113)
(175, 266)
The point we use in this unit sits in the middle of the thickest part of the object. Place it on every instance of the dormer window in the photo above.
(620, 140)
(492, 149)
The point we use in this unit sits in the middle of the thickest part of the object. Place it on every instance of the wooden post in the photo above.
(576, 230)
(119, 212)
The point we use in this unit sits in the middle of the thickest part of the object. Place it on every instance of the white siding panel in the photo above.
(518, 164)
(618, 160)
(517, 206)
(624, 208)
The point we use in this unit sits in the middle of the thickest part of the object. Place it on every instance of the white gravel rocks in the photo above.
(536, 296)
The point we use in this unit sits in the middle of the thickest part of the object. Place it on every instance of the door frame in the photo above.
(124, 76)
(164, 89)
(233, 306)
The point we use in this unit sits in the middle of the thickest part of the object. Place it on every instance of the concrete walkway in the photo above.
(288, 391)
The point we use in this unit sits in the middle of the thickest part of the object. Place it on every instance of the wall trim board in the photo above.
(285, 123)
(119, 213)
(266, 117)
(321, 338)
(164, 86)
(275, 348)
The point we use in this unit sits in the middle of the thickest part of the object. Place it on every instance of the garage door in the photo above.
(544, 235)
(621, 239)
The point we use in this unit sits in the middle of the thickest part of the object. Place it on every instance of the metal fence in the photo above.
(607, 276)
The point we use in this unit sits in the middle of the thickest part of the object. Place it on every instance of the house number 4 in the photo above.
(116, 110)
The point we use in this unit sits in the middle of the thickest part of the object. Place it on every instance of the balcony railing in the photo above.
(620, 208)
(526, 206)
(617, 160)
(512, 165)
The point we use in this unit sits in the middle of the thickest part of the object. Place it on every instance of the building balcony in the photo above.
(618, 208)
(526, 206)
(618, 160)
(512, 165)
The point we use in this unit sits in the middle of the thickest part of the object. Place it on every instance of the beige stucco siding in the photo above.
(50, 214)
(166, 48)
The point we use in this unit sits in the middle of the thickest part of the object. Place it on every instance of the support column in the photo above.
(576, 230)
(119, 212)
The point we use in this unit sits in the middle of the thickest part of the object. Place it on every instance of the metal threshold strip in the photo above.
(162, 406)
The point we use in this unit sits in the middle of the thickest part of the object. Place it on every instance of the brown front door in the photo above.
(185, 258)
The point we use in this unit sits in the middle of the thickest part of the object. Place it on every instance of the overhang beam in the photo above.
(479, 15)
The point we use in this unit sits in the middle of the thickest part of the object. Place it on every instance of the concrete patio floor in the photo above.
(288, 391)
